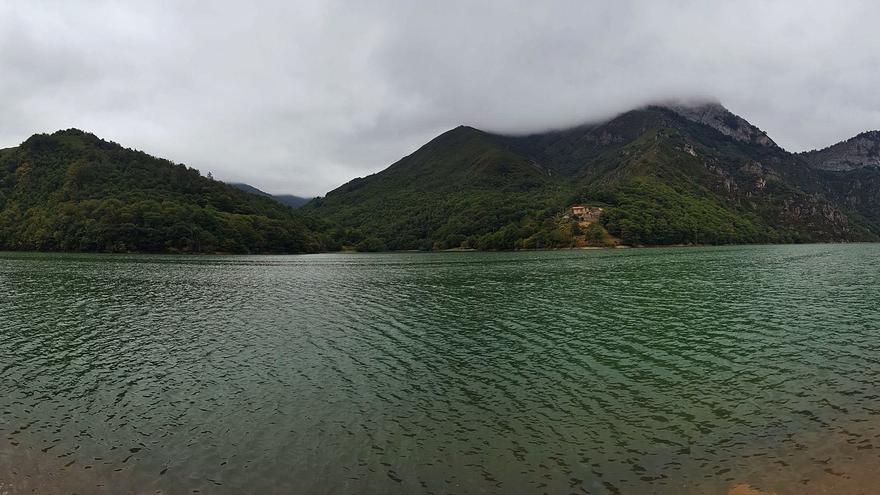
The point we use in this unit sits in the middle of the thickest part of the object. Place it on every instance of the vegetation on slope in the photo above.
(661, 178)
(460, 190)
(71, 191)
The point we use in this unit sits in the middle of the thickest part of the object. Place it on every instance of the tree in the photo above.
(371, 245)
(596, 235)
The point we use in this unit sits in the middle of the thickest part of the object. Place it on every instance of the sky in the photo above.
(302, 96)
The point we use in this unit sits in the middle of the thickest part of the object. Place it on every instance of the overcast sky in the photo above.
(299, 97)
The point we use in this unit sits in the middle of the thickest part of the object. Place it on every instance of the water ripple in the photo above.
(668, 371)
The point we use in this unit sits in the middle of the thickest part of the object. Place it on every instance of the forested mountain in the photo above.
(665, 174)
(670, 174)
(285, 199)
(71, 191)
(461, 184)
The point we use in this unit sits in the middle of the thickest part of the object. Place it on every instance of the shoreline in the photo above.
(452, 250)
(29, 473)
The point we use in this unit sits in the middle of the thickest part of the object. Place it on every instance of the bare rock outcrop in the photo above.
(714, 115)
(858, 152)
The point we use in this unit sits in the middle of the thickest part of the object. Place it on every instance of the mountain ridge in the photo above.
(668, 174)
(285, 199)
(655, 175)
(859, 151)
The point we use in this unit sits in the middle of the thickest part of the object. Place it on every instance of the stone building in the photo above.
(586, 213)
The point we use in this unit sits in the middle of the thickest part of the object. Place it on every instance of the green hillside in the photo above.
(450, 193)
(661, 174)
(698, 175)
(71, 191)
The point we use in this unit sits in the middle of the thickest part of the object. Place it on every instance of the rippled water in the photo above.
(670, 371)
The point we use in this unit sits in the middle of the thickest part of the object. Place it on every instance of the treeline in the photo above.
(528, 233)
(112, 225)
(484, 220)
(638, 211)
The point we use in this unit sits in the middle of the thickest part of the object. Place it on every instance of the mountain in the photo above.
(714, 115)
(285, 199)
(850, 171)
(291, 200)
(677, 173)
(72, 191)
(663, 174)
(858, 152)
(463, 183)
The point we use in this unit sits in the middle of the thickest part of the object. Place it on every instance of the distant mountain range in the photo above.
(285, 199)
(862, 151)
(658, 175)
(663, 175)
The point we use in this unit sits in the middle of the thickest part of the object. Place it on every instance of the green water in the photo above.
(669, 371)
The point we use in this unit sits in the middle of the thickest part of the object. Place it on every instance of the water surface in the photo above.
(668, 371)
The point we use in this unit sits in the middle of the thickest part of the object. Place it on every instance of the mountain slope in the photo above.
(663, 174)
(850, 174)
(71, 191)
(290, 200)
(285, 199)
(717, 117)
(462, 184)
(857, 152)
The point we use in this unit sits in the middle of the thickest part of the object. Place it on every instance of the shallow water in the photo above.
(669, 371)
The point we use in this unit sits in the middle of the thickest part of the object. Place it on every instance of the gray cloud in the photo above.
(300, 97)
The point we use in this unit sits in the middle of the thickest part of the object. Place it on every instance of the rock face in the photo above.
(721, 119)
(858, 152)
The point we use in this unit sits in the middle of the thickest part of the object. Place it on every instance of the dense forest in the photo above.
(661, 176)
(71, 191)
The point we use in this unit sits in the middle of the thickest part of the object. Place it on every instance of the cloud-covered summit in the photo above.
(299, 97)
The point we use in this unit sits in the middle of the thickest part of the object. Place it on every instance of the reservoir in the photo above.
(671, 371)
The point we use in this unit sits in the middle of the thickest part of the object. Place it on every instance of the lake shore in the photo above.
(452, 250)
(30, 471)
